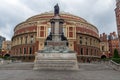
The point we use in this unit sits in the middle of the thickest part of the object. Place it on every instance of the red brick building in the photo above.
(30, 35)
(108, 43)
(6, 47)
(104, 46)
(113, 43)
(117, 11)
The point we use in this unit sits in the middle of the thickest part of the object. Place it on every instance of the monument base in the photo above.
(55, 61)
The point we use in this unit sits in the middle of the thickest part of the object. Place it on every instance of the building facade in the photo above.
(1, 40)
(6, 46)
(30, 35)
(117, 12)
(113, 43)
(104, 46)
(108, 43)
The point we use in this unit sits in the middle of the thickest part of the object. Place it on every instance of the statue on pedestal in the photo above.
(56, 54)
(56, 10)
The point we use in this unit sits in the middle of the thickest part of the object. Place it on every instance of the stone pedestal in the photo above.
(56, 55)
(55, 61)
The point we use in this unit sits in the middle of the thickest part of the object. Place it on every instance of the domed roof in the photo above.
(64, 15)
(51, 14)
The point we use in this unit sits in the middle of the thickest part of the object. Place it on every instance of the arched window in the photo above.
(24, 50)
(30, 50)
(87, 52)
(31, 41)
(81, 51)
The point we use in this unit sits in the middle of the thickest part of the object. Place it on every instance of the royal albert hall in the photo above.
(30, 35)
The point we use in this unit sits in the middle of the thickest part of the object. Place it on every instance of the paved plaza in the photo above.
(23, 71)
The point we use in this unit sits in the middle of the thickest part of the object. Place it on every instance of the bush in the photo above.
(1, 56)
(117, 60)
(116, 55)
(6, 58)
(106, 59)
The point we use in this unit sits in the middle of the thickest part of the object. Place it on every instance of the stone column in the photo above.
(60, 27)
(28, 40)
(52, 27)
(19, 41)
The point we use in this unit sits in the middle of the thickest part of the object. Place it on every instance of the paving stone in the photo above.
(86, 72)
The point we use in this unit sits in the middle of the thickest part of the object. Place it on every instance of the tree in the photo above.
(116, 55)
(0, 50)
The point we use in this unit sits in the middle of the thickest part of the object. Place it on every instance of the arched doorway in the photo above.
(103, 57)
(7, 55)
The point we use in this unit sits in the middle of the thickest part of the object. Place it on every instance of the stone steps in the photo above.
(17, 66)
(55, 61)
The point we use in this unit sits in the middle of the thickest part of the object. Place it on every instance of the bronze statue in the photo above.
(56, 10)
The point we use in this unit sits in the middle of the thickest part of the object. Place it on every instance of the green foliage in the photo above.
(106, 59)
(6, 58)
(117, 60)
(1, 56)
(116, 55)
(13, 59)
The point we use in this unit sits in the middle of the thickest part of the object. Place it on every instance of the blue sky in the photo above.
(98, 12)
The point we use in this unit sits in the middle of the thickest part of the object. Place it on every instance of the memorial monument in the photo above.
(56, 55)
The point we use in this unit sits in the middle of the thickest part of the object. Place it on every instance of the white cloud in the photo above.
(98, 12)
(12, 12)
(6, 31)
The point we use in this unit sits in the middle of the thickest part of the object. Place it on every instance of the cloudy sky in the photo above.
(98, 12)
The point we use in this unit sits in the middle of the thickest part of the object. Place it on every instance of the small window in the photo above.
(24, 50)
(30, 50)
(31, 39)
(80, 37)
(102, 48)
(81, 51)
(80, 41)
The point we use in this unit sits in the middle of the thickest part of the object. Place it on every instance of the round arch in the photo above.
(103, 57)
(7, 55)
